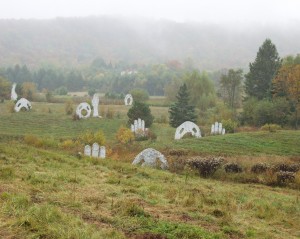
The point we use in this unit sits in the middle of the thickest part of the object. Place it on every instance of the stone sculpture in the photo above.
(138, 126)
(13, 95)
(22, 103)
(83, 106)
(151, 158)
(95, 151)
(217, 128)
(95, 103)
(87, 150)
(128, 100)
(187, 127)
(102, 152)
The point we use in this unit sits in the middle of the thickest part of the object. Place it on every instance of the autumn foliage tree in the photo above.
(287, 84)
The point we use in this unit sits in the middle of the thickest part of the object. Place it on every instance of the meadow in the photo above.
(49, 192)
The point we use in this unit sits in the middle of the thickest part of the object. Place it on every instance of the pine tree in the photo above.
(181, 111)
(259, 79)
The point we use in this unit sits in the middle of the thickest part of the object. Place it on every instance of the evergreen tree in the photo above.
(181, 111)
(259, 79)
(142, 111)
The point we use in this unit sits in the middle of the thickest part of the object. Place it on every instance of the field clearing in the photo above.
(58, 125)
(50, 194)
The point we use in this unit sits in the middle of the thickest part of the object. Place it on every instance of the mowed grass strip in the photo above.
(49, 194)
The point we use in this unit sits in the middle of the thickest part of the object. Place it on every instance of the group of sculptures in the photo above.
(148, 157)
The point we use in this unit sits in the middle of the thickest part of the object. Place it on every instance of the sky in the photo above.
(217, 11)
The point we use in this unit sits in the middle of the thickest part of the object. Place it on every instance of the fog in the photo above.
(213, 11)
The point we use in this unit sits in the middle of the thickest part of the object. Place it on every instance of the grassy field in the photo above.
(48, 192)
(58, 125)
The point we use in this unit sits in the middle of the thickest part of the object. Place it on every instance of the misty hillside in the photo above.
(74, 42)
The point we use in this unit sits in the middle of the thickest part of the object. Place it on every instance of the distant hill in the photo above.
(72, 42)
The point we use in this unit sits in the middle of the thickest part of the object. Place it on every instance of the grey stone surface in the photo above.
(102, 153)
(13, 95)
(151, 158)
(87, 150)
(95, 150)
(95, 104)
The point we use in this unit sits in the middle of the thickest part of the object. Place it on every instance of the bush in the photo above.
(285, 177)
(232, 168)
(91, 137)
(287, 167)
(259, 168)
(69, 107)
(229, 125)
(61, 91)
(124, 135)
(206, 166)
(270, 127)
(139, 95)
(142, 111)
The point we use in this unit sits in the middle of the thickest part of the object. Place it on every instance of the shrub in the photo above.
(110, 113)
(259, 168)
(89, 138)
(139, 95)
(270, 127)
(124, 135)
(229, 125)
(233, 168)
(287, 167)
(285, 177)
(142, 111)
(61, 91)
(11, 107)
(69, 107)
(206, 166)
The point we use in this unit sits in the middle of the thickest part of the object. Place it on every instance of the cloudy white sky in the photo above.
(179, 10)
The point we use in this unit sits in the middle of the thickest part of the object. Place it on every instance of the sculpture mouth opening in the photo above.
(84, 112)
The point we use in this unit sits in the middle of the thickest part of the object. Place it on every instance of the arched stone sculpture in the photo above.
(13, 95)
(187, 127)
(150, 157)
(81, 107)
(22, 103)
(128, 100)
(95, 103)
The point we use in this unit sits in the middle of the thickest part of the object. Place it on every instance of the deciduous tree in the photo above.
(287, 83)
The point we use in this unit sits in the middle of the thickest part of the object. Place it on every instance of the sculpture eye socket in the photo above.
(19, 105)
(195, 131)
(181, 130)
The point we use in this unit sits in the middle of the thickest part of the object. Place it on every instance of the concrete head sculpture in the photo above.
(22, 103)
(187, 127)
(151, 157)
(128, 100)
(83, 106)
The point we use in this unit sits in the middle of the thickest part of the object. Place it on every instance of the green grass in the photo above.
(50, 194)
(58, 125)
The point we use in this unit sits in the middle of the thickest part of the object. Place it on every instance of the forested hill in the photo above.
(69, 42)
